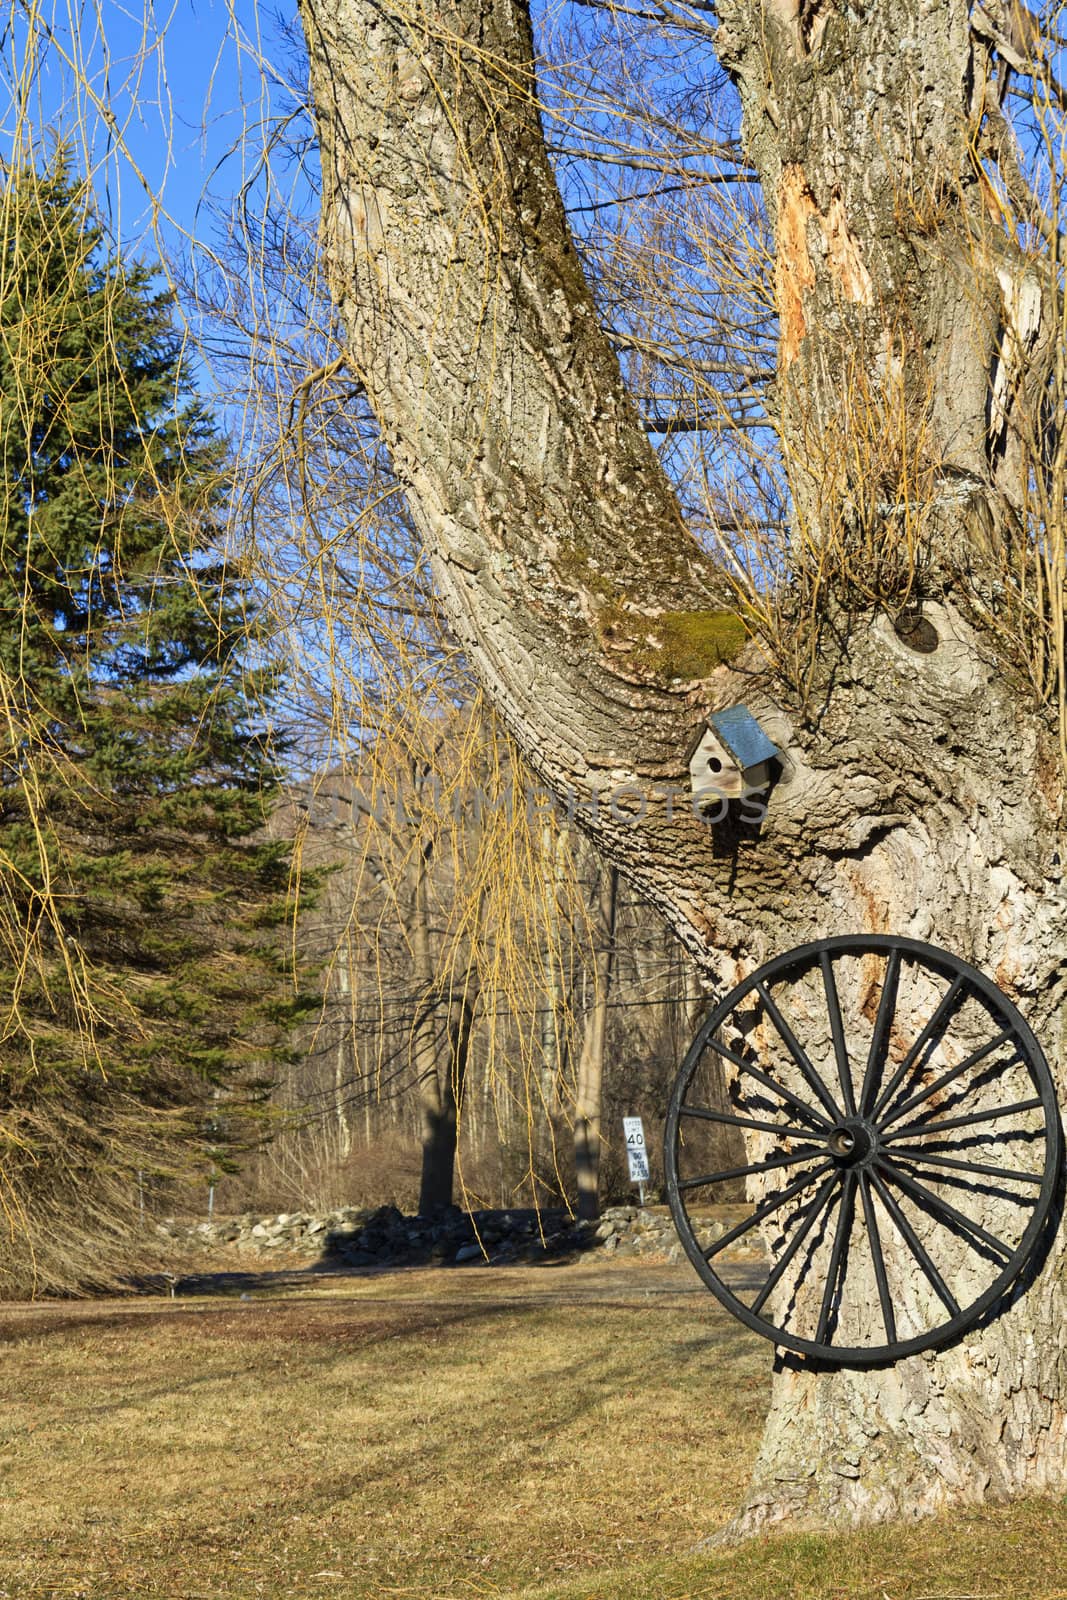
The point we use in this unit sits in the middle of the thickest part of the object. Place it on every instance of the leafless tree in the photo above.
(902, 487)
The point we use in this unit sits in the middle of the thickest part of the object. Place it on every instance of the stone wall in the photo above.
(353, 1238)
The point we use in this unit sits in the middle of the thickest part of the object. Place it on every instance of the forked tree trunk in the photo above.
(925, 798)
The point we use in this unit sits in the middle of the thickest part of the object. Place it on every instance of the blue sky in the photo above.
(185, 89)
(168, 104)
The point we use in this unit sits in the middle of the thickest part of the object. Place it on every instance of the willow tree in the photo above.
(911, 659)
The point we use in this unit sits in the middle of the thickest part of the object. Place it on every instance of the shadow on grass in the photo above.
(386, 1240)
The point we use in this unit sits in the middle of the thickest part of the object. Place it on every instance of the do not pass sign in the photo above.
(636, 1154)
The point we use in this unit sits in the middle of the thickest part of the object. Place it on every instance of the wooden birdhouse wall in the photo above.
(714, 772)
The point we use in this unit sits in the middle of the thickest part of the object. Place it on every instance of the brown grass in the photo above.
(549, 1432)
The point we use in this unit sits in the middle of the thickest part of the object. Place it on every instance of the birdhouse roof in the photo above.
(739, 732)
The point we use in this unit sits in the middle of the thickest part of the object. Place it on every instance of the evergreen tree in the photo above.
(140, 977)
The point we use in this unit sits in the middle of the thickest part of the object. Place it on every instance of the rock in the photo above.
(383, 1235)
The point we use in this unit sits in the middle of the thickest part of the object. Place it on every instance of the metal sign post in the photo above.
(636, 1154)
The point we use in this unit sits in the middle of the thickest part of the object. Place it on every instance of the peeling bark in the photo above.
(926, 799)
(793, 269)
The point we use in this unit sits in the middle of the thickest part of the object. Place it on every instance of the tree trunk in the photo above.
(346, 1055)
(555, 853)
(591, 1060)
(925, 796)
(440, 1041)
(443, 1041)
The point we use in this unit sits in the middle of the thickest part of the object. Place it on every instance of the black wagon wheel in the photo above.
(862, 1148)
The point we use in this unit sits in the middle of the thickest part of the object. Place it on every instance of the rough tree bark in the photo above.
(925, 797)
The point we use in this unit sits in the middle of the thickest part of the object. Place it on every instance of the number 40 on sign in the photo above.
(636, 1154)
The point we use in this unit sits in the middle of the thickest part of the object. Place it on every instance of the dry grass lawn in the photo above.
(532, 1431)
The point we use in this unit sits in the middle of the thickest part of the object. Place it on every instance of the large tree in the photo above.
(917, 412)
(144, 991)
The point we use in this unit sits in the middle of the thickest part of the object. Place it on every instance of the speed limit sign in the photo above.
(636, 1154)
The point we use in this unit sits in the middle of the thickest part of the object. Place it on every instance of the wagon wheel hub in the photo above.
(854, 1142)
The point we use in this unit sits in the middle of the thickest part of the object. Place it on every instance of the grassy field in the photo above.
(535, 1432)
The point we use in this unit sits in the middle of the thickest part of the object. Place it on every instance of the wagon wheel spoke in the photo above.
(932, 1033)
(753, 1168)
(784, 1130)
(866, 1152)
(801, 1107)
(807, 1071)
(909, 1153)
(915, 1245)
(945, 1212)
(993, 1114)
(889, 1320)
(765, 1210)
(880, 1037)
(987, 1049)
(837, 1255)
(804, 1226)
(837, 1033)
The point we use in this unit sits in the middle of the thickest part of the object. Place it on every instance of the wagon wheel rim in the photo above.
(881, 1154)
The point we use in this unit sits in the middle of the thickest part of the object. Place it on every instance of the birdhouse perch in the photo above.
(730, 757)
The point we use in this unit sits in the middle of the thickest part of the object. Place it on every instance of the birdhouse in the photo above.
(730, 757)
